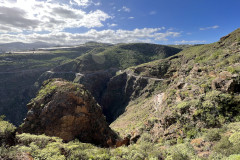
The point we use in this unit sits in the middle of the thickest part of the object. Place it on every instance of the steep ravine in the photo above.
(102, 73)
(122, 89)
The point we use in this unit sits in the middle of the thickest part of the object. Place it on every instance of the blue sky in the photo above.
(116, 21)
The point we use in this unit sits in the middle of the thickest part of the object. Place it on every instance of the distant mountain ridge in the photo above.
(20, 46)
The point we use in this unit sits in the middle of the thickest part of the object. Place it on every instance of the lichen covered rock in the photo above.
(67, 110)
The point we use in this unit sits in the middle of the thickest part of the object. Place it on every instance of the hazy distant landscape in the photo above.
(119, 80)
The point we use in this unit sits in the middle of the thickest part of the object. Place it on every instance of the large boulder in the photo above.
(67, 110)
(226, 82)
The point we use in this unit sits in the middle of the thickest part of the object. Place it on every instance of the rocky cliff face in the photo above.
(124, 88)
(16, 89)
(67, 110)
(96, 82)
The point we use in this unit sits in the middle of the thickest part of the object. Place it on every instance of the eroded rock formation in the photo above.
(67, 110)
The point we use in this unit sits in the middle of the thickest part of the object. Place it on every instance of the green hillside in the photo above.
(119, 56)
(199, 97)
(202, 79)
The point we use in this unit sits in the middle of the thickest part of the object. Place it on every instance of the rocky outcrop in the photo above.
(67, 110)
(226, 82)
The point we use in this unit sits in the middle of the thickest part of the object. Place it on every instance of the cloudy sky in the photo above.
(116, 21)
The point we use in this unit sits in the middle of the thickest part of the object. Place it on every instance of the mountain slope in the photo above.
(200, 89)
(120, 56)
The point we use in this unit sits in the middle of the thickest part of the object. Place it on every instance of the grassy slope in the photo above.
(200, 106)
(211, 59)
(120, 56)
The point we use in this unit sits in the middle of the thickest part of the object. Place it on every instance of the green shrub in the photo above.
(145, 137)
(120, 152)
(179, 140)
(181, 152)
(183, 105)
(235, 138)
(192, 133)
(178, 156)
(213, 135)
(39, 140)
(238, 39)
(225, 147)
(50, 152)
(233, 127)
(7, 131)
(78, 155)
(217, 156)
(215, 55)
(218, 108)
(233, 70)
(234, 157)
(98, 153)
(6, 128)
(7, 153)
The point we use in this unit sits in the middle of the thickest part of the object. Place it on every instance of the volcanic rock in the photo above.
(67, 110)
(226, 82)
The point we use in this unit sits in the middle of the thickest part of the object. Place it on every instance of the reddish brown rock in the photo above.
(124, 142)
(67, 110)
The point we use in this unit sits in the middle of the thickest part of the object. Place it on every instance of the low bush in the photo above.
(7, 132)
(213, 135)
(181, 152)
(234, 157)
(40, 140)
(225, 147)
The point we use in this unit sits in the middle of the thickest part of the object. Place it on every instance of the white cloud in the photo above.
(125, 9)
(98, 4)
(106, 36)
(84, 3)
(33, 15)
(206, 28)
(153, 13)
(190, 42)
(53, 18)
(162, 28)
(112, 25)
(80, 2)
